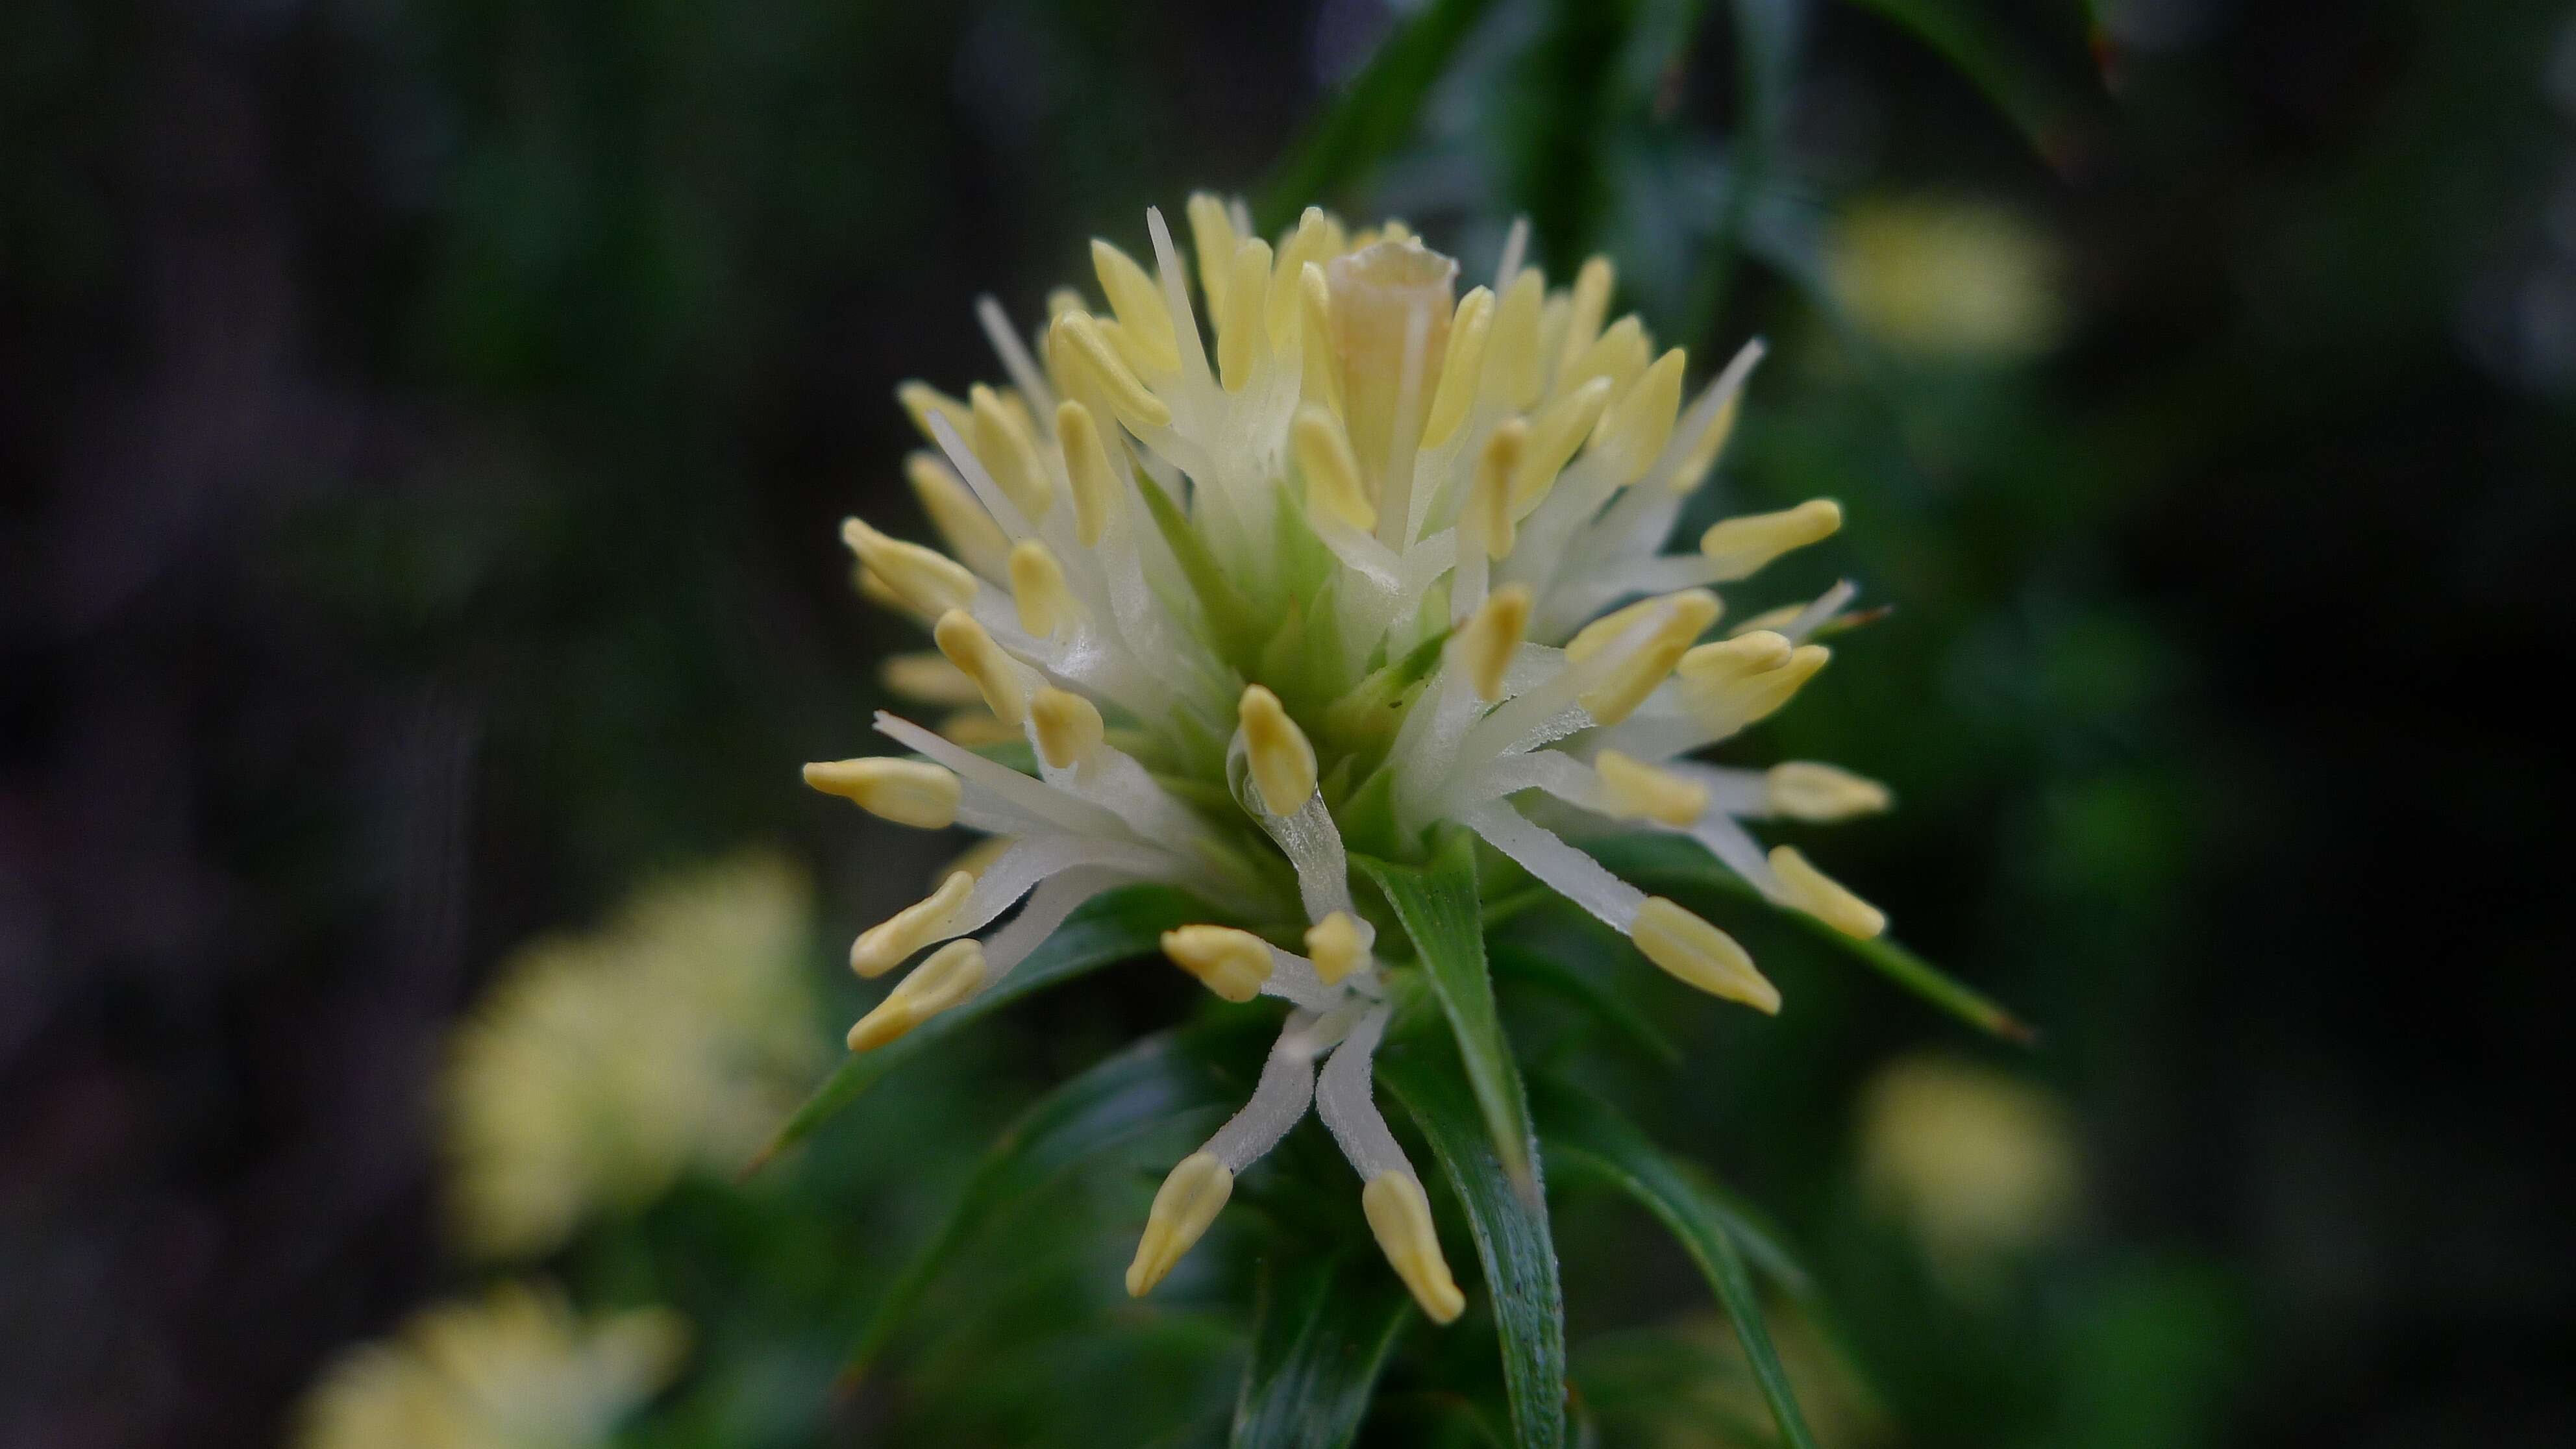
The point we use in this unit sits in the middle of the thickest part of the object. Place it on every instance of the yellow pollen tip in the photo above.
(1336, 947)
(1741, 546)
(1322, 382)
(1212, 237)
(1068, 726)
(1806, 790)
(1086, 461)
(1698, 954)
(954, 973)
(1400, 1216)
(928, 677)
(1635, 429)
(1489, 491)
(1491, 635)
(925, 579)
(1464, 370)
(1728, 660)
(1184, 1206)
(1240, 307)
(882, 947)
(1038, 590)
(1283, 761)
(922, 402)
(1323, 453)
(1590, 303)
(1823, 897)
(1554, 434)
(996, 674)
(1089, 354)
(1686, 615)
(1231, 963)
(953, 509)
(1512, 352)
(1138, 300)
(1639, 791)
(1007, 452)
(907, 792)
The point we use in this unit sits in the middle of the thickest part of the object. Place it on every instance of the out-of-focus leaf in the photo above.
(1117, 925)
(1766, 49)
(1323, 1328)
(1544, 971)
(1146, 1086)
(1591, 1139)
(1511, 1232)
(1675, 865)
(1372, 116)
(1438, 906)
(1969, 39)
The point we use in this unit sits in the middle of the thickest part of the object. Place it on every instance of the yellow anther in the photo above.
(996, 674)
(1823, 897)
(1068, 726)
(1186, 1203)
(1698, 954)
(1337, 947)
(1283, 762)
(874, 589)
(1098, 365)
(1593, 637)
(1086, 464)
(1555, 433)
(1619, 354)
(1740, 546)
(975, 728)
(1138, 300)
(1704, 453)
(1322, 384)
(1323, 454)
(927, 677)
(1400, 1216)
(1645, 666)
(1212, 235)
(1038, 589)
(1486, 642)
(1805, 790)
(1381, 295)
(1589, 305)
(1727, 661)
(1635, 428)
(1242, 326)
(1635, 790)
(1317, 240)
(1514, 365)
(1463, 371)
(925, 579)
(1003, 445)
(907, 792)
(974, 859)
(1488, 518)
(923, 402)
(1060, 300)
(1231, 963)
(882, 947)
(953, 974)
(953, 509)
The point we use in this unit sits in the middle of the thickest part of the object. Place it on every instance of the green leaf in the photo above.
(1538, 969)
(1967, 36)
(1151, 1084)
(1322, 1330)
(1438, 907)
(1674, 865)
(1424, 1076)
(1113, 927)
(1587, 1138)
(1230, 617)
(1373, 115)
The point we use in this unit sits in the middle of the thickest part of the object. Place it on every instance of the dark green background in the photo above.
(423, 427)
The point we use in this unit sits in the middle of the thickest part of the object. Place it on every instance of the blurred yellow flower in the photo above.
(1947, 278)
(515, 1369)
(601, 1067)
(1978, 1164)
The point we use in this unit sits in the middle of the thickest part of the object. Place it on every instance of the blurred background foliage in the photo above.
(425, 423)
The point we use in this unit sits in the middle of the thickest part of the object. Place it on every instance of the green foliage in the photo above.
(1322, 1328)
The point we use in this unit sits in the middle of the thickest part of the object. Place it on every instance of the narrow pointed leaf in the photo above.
(1161, 1079)
(1322, 1331)
(1589, 1139)
(1513, 1243)
(1515, 963)
(1373, 115)
(1677, 865)
(1438, 907)
(1115, 927)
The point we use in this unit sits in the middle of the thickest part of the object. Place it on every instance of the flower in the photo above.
(600, 1067)
(1383, 559)
(1947, 278)
(1980, 1165)
(512, 1370)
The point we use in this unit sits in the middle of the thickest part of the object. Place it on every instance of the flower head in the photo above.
(513, 1369)
(600, 1067)
(1317, 556)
